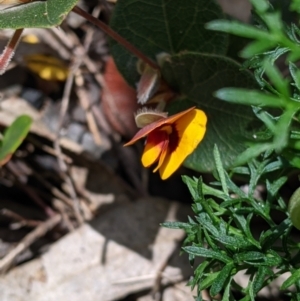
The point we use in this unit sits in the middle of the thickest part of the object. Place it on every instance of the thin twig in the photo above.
(48, 149)
(81, 92)
(114, 35)
(85, 104)
(28, 240)
(54, 190)
(62, 164)
(22, 221)
(62, 210)
(11, 166)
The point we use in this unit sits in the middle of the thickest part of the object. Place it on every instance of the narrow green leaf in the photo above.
(249, 97)
(282, 130)
(220, 281)
(192, 186)
(257, 47)
(252, 152)
(295, 73)
(259, 279)
(281, 84)
(227, 291)
(233, 242)
(220, 169)
(14, 136)
(273, 188)
(269, 237)
(206, 253)
(267, 119)
(206, 222)
(199, 272)
(274, 22)
(176, 225)
(238, 28)
(275, 165)
(291, 280)
(208, 280)
(260, 5)
(244, 224)
(210, 240)
(252, 257)
(200, 188)
(207, 190)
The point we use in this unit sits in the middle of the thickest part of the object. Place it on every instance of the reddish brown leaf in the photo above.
(119, 101)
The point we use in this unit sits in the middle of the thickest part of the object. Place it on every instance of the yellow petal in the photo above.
(190, 129)
(154, 145)
(162, 156)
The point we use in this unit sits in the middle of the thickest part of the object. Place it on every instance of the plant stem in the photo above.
(114, 35)
(9, 50)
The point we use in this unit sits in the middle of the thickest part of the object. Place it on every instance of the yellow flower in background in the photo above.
(171, 139)
(30, 39)
(47, 67)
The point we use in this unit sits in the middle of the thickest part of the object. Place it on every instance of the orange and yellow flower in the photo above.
(170, 140)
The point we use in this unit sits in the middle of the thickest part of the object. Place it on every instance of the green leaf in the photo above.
(44, 14)
(220, 169)
(251, 257)
(295, 73)
(221, 280)
(269, 237)
(157, 26)
(208, 280)
(227, 291)
(192, 186)
(273, 188)
(256, 48)
(14, 136)
(259, 279)
(250, 97)
(245, 226)
(198, 251)
(233, 242)
(197, 76)
(291, 280)
(281, 84)
(206, 222)
(295, 5)
(207, 190)
(239, 29)
(252, 152)
(176, 225)
(199, 272)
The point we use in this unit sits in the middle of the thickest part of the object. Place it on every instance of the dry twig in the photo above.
(61, 162)
(28, 240)
(12, 167)
(22, 221)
